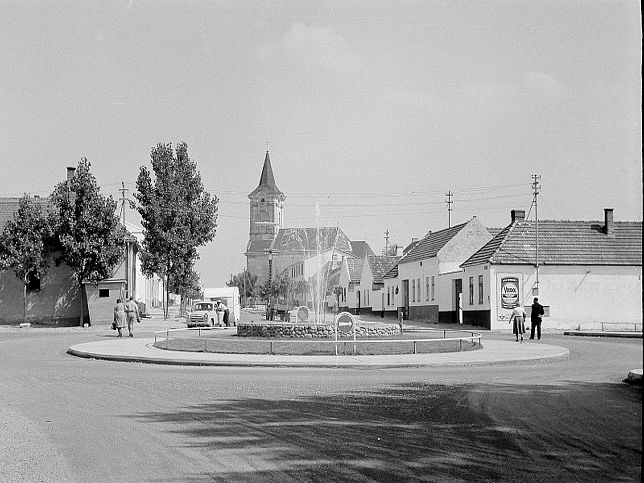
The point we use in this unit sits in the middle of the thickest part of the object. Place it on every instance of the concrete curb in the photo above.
(493, 352)
(600, 333)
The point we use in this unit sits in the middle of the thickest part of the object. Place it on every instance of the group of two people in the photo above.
(519, 315)
(126, 313)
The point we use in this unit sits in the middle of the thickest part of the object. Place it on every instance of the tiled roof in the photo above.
(305, 240)
(494, 231)
(258, 246)
(9, 206)
(267, 180)
(380, 265)
(392, 273)
(429, 246)
(355, 269)
(563, 243)
(360, 249)
(411, 245)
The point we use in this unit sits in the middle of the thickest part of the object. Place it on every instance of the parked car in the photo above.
(203, 314)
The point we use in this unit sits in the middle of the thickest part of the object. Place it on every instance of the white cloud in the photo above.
(317, 46)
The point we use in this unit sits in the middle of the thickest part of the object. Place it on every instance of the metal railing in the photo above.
(622, 324)
(165, 335)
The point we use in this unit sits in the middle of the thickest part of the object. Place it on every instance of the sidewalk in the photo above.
(141, 350)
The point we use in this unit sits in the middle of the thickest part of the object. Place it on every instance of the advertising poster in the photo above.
(509, 294)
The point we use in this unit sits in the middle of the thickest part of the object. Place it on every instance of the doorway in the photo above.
(458, 300)
(405, 298)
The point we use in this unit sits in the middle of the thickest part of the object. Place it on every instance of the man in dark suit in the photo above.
(535, 318)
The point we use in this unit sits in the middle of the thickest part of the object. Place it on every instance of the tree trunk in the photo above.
(24, 301)
(166, 296)
(82, 306)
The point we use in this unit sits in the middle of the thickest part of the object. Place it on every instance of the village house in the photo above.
(429, 276)
(55, 298)
(589, 273)
(349, 280)
(371, 284)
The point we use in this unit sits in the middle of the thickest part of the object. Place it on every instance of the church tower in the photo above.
(266, 220)
(266, 206)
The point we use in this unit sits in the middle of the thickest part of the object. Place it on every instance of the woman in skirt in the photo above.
(518, 317)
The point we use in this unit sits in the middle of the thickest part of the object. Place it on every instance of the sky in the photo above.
(372, 111)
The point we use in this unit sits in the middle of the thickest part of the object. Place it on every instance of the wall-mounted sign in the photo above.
(509, 292)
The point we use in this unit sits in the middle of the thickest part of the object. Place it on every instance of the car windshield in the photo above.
(203, 306)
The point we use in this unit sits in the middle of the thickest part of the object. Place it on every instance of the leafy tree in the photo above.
(176, 213)
(25, 244)
(301, 288)
(87, 228)
(246, 283)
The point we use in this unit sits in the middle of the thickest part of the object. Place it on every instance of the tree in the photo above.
(246, 283)
(25, 244)
(184, 281)
(86, 226)
(176, 213)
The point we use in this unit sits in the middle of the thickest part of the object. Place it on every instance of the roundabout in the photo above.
(143, 350)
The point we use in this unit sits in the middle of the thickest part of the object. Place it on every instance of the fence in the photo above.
(200, 340)
(621, 326)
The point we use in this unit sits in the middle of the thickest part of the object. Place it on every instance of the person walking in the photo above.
(119, 317)
(536, 315)
(132, 313)
(518, 316)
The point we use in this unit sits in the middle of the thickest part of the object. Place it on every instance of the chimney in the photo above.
(70, 173)
(414, 239)
(609, 226)
(517, 215)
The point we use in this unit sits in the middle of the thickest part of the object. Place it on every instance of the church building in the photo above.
(297, 253)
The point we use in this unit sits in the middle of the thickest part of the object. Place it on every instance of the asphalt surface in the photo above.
(64, 418)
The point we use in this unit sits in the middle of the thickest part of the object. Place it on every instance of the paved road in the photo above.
(68, 419)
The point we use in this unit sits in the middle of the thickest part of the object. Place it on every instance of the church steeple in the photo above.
(267, 180)
(266, 206)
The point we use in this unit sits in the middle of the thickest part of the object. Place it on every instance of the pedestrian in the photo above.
(536, 316)
(133, 315)
(119, 317)
(518, 316)
(226, 313)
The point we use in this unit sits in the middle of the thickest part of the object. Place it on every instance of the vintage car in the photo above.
(203, 314)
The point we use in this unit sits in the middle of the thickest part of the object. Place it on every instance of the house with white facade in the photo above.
(349, 279)
(371, 284)
(429, 278)
(584, 273)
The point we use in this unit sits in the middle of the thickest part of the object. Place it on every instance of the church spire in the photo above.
(267, 180)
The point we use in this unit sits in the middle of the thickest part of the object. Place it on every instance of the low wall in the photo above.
(311, 331)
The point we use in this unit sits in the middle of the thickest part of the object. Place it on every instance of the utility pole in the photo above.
(128, 289)
(387, 248)
(449, 202)
(123, 200)
(536, 186)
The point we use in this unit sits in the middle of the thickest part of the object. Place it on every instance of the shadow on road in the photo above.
(574, 432)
